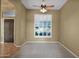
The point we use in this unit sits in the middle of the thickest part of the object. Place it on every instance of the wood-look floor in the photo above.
(7, 50)
(34, 50)
(43, 50)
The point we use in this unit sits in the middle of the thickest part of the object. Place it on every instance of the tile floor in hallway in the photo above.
(7, 50)
(43, 50)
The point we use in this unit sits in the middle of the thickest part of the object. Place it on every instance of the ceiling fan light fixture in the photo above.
(43, 10)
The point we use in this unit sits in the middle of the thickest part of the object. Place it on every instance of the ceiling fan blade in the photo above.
(49, 8)
(49, 5)
(36, 6)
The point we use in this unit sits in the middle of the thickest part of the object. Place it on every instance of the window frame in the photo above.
(40, 20)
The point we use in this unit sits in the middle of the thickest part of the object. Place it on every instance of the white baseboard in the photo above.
(68, 50)
(36, 42)
(18, 45)
(2, 42)
(39, 42)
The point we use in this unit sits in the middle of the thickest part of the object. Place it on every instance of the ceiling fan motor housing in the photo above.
(43, 6)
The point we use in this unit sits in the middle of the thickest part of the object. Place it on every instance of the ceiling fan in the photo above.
(44, 7)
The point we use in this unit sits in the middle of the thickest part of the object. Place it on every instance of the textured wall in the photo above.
(20, 23)
(30, 25)
(70, 25)
(0, 20)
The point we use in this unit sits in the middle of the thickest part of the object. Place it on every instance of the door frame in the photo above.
(2, 28)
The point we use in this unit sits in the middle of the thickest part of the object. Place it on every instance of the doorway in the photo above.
(8, 30)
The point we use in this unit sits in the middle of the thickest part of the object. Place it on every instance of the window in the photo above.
(43, 26)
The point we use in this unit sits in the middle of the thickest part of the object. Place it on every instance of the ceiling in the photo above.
(58, 4)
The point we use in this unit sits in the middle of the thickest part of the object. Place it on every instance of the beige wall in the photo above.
(70, 25)
(30, 25)
(20, 23)
(0, 20)
(2, 9)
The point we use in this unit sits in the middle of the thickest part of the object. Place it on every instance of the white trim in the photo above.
(39, 42)
(2, 42)
(35, 42)
(42, 41)
(68, 50)
(37, 17)
(17, 45)
(2, 28)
